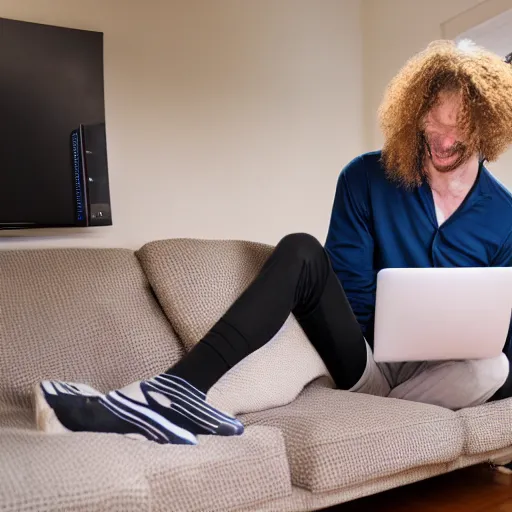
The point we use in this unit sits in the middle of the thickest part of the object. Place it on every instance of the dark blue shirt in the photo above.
(377, 224)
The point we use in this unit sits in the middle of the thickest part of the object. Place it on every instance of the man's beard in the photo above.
(459, 150)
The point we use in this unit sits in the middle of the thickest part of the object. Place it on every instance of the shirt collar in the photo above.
(479, 192)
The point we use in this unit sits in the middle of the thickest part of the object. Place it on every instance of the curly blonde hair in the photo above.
(484, 82)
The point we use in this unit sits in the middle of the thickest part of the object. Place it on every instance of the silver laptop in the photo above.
(435, 314)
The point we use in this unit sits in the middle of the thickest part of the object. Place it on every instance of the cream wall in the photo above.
(394, 30)
(232, 118)
(225, 118)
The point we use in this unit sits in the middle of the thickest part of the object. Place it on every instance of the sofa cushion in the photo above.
(196, 281)
(336, 439)
(78, 314)
(71, 473)
(96, 472)
(221, 473)
(488, 427)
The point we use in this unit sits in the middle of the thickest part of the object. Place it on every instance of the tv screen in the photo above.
(51, 84)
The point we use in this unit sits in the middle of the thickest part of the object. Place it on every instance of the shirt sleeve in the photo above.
(350, 243)
(504, 256)
(504, 259)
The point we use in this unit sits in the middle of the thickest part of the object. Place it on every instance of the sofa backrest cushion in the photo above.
(85, 315)
(196, 281)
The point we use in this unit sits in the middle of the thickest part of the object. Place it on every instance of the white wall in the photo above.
(225, 118)
(494, 34)
(394, 30)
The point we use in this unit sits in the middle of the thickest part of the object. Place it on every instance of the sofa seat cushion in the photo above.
(221, 473)
(336, 439)
(95, 472)
(488, 427)
(196, 281)
(71, 473)
(78, 314)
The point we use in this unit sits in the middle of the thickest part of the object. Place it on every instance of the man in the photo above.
(431, 203)
(425, 200)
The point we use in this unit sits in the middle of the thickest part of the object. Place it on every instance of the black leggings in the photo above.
(297, 278)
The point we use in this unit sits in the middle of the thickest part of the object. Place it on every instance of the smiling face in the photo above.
(423, 136)
(445, 142)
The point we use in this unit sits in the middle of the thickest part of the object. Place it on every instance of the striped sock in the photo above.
(181, 403)
(171, 398)
(69, 407)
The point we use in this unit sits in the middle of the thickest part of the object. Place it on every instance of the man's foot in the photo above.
(174, 399)
(64, 407)
(183, 404)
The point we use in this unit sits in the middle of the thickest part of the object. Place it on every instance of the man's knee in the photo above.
(490, 374)
(301, 246)
(456, 384)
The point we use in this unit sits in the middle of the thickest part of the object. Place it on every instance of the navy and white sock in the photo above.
(183, 404)
(172, 398)
(69, 407)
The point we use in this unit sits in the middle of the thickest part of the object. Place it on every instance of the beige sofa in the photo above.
(109, 316)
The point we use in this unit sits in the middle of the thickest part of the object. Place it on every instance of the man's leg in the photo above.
(451, 384)
(297, 278)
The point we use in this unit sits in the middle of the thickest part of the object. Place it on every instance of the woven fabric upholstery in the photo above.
(71, 473)
(222, 473)
(16, 416)
(488, 427)
(336, 438)
(196, 281)
(95, 472)
(302, 500)
(272, 376)
(90, 315)
(78, 314)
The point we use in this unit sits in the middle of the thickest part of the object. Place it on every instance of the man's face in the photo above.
(444, 140)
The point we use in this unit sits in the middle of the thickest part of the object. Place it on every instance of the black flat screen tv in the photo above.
(51, 88)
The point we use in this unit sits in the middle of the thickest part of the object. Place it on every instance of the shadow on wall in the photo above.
(29, 235)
